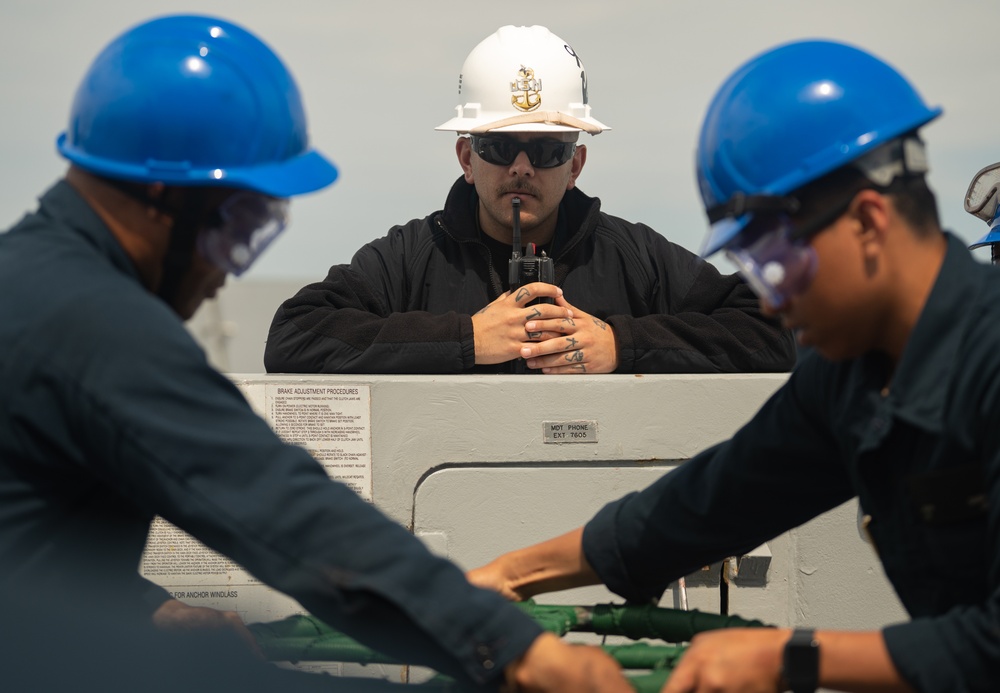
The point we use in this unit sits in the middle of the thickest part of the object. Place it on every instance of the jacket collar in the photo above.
(927, 369)
(579, 211)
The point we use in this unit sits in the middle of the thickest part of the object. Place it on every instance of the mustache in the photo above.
(518, 185)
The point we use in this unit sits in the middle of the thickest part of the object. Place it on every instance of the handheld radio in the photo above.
(527, 268)
(524, 269)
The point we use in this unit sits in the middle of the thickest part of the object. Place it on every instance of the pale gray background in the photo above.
(379, 75)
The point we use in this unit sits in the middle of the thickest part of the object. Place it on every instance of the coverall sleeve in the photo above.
(780, 470)
(176, 436)
(699, 321)
(357, 321)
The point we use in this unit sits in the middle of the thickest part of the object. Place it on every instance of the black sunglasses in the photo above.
(542, 153)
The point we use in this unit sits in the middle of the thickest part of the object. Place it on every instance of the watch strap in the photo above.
(801, 661)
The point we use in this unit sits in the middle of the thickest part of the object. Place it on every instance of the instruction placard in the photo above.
(172, 554)
(332, 422)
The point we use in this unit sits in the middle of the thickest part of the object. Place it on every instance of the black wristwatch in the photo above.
(801, 661)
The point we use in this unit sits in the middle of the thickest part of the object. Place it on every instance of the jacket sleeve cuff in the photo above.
(492, 654)
(604, 553)
(621, 327)
(920, 656)
(467, 340)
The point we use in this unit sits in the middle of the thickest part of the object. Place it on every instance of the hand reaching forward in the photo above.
(553, 666)
(747, 660)
(584, 344)
(493, 576)
(175, 615)
(549, 566)
(499, 328)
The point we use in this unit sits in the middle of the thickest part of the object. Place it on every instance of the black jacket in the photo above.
(405, 302)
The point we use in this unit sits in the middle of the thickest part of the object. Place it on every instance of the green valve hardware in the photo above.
(647, 665)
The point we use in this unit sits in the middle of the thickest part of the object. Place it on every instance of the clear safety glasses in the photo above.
(773, 253)
(542, 153)
(778, 262)
(983, 195)
(248, 223)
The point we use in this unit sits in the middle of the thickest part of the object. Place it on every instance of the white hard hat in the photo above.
(523, 79)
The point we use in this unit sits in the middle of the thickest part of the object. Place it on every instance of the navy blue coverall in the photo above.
(920, 448)
(111, 415)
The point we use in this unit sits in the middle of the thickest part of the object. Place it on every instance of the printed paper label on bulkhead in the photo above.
(173, 557)
(332, 422)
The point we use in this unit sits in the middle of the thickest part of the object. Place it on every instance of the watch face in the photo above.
(801, 661)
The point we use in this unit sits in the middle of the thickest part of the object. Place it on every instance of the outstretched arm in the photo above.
(175, 615)
(551, 665)
(550, 566)
(751, 659)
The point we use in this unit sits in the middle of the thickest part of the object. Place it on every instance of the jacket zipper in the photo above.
(494, 287)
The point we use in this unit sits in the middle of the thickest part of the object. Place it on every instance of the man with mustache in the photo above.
(433, 295)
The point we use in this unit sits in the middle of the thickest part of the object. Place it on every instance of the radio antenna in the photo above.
(515, 204)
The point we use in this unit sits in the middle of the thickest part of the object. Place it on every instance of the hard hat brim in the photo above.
(989, 239)
(538, 121)
(721, 233)
(298, 175)
(306, 173)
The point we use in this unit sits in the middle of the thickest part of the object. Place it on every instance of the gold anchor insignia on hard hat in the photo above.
(526, 90)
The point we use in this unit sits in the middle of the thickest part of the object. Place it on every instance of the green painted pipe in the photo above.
(306, 638)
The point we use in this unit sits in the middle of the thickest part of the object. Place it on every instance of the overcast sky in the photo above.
(378, 75)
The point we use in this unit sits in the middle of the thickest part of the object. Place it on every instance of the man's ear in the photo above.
(576, 167)
(463, 148)
(871, 210)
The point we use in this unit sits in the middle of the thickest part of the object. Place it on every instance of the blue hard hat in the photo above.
(194, 101)
(991, 238)
(793, 114)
